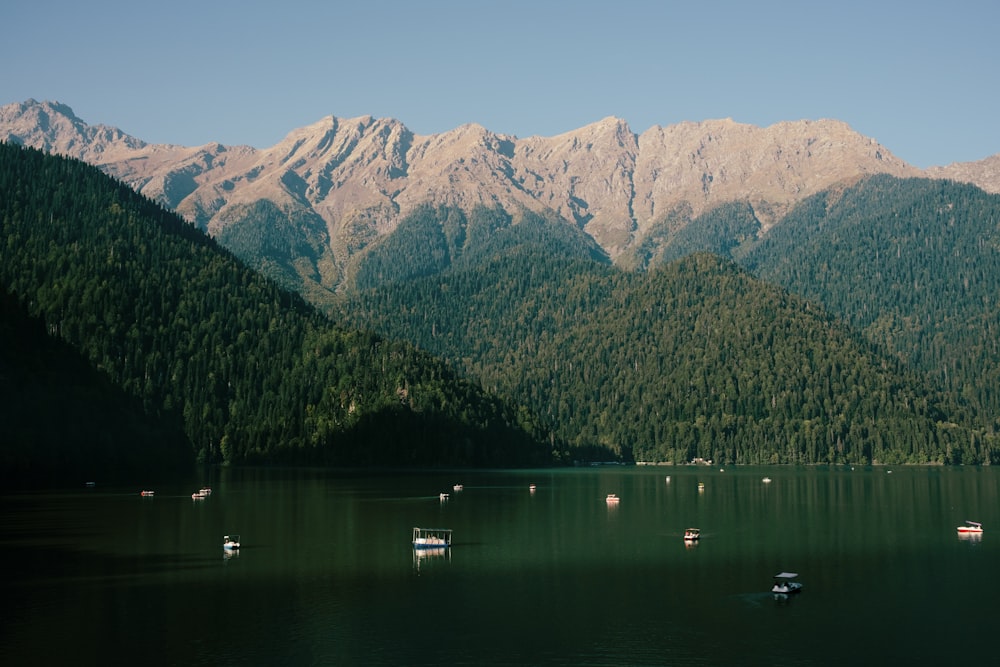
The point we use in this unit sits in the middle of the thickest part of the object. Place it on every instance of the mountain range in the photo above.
(337, 187)
(854, 324)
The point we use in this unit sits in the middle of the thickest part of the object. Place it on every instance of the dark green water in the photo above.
(326, 574)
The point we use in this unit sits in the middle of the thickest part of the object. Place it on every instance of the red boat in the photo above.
(971, 527)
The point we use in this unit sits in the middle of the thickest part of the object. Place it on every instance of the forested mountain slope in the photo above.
(436, 238)
(914, 264)
(696, 359)
(253, 371)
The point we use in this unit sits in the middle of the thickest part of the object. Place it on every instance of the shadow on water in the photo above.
(58, 563)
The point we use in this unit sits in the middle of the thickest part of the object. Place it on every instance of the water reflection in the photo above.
(421, 556)
(612, 501)
(970, 537)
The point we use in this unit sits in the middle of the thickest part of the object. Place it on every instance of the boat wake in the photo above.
(755, 599)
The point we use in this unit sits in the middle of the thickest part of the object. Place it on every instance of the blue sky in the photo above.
(923, 78)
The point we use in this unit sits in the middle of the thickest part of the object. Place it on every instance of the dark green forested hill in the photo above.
(253, 372)
(697, 359)
(912, 264)
(65, 421)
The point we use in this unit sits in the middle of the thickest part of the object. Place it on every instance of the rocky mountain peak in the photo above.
(361, 176)
(53, 127)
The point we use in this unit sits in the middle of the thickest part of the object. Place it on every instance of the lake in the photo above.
(326, 573)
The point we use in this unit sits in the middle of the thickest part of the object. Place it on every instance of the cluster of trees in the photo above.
(250, 370)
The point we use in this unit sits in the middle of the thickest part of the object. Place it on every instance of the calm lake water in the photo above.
(327, 576)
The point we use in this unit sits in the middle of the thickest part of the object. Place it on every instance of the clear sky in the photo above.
(922, 78)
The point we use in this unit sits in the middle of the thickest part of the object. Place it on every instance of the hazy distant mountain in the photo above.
(335, 187)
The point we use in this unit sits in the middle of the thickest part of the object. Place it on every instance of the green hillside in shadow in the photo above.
(251, 371)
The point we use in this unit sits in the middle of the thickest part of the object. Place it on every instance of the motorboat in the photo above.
(431, 538)
(198, 495)
(766, 480)
(701, 486)
(532, 487)
(231, 542)
(443, 497)
(457, 487)
(971, 528)
(785, 584)
(147, 494)
(692, 534)
(612, 499)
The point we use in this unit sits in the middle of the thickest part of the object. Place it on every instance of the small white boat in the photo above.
(692, 534)
(198, 495)
(701, 486)
(785, 584)
(612, 499)
(457, 487)
(443, 497)
(766, 480)
(231, 542)
(431, 538)
(147, 494)
(532, 487)
(971, 528)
